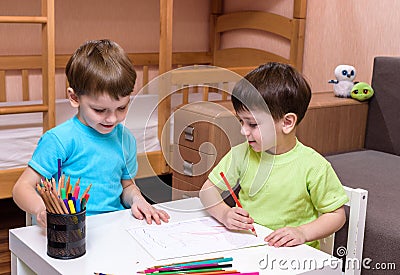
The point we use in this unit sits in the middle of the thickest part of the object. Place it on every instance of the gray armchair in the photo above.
(377, 169)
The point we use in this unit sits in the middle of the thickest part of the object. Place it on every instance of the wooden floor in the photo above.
(10, 216)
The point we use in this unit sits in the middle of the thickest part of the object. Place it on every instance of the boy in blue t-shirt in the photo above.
(93, 146)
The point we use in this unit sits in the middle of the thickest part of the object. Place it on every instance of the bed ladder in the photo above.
(46, 19)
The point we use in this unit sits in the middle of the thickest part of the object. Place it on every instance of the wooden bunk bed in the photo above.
(47, 65)
(240, 60)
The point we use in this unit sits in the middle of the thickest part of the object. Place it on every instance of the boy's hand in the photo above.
(41, 218)
(237, 218)
(287, 236)
(141, 209)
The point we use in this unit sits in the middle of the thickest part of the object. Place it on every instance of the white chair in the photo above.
(28, 219)
(355, 235)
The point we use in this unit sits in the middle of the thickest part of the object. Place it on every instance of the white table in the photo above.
(111, 249)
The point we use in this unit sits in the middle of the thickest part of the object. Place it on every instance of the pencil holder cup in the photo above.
(66, 235)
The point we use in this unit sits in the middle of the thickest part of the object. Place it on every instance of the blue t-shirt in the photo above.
(102, 160)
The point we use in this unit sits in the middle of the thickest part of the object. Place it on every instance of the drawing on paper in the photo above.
(192, 237)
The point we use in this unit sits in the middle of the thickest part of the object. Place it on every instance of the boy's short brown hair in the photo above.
(101, 66)
(282, 88)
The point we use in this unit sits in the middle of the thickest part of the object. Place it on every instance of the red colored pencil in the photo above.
(234, 196)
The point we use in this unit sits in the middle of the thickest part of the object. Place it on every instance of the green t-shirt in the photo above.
(290, 189)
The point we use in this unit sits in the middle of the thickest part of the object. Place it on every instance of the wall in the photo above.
(348, 32)
(337, 32)
(133, 24)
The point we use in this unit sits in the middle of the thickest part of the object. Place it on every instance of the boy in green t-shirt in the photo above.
(285, 185)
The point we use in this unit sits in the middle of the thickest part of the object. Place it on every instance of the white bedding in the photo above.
(19, 133)
(142, 121)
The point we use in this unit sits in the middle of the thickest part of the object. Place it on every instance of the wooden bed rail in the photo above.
(24, 64)
(7, 179)
(291, 29)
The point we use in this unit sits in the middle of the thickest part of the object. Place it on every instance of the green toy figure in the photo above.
(362, 91)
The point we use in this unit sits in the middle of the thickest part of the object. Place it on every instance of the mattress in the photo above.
(19, 133)
(142, 121)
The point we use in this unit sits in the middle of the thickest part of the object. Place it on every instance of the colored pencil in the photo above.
(83, 204)
(53, 186)
(186, 267)
(216, 272)
(234, 196)
(203, 261)
(245, 273)
(61, 184)
(68, 184)
(209, 266)
(47, 194)
(226, 272)
(63, 194)
(44, 198)
(64, 207)
(71, 207)
(76, 192)
(222, 260)
(188, 271)
(75, 186)
(57, 203)
(56, 198)
(59, 170)
(86, 191)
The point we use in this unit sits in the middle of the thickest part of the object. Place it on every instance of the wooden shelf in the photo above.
(334, 125)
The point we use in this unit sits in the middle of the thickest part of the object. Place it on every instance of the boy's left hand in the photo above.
(141, 209)
(286, 236)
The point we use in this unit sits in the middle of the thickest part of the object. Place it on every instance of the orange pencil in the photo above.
(68, 185)
(234, 196)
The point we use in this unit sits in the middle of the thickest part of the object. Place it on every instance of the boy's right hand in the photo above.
(237, 218)
(41, 218)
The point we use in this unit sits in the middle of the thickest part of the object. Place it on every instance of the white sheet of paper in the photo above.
(193, 237)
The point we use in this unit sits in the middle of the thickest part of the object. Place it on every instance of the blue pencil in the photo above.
(59, 169)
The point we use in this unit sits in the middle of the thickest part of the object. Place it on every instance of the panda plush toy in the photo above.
(345, 74)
